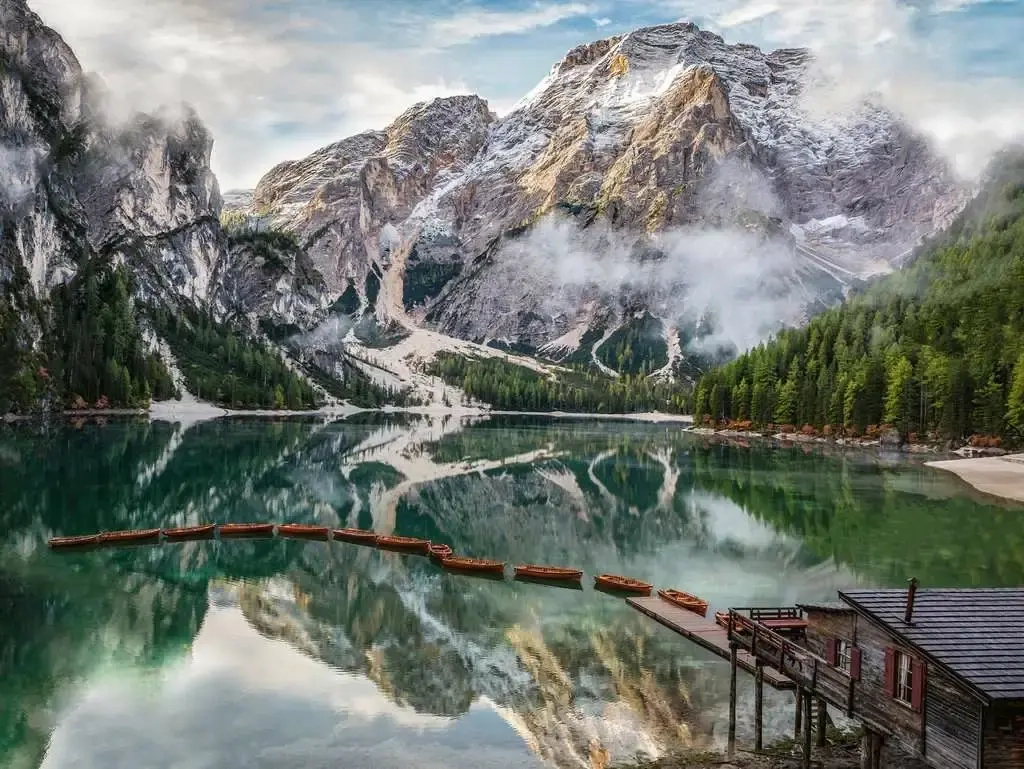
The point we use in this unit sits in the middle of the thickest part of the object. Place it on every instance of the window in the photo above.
(904, 678)
(843, 654)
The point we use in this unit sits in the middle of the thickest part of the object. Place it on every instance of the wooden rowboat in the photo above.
(190, 532)
(405, 544)
(622, 584)
(533, 571)
(66, 543)
(722, 619)
(440, 552)
(129, 537)
(356, 536)
(246, 529)
(302, 531)
(685, 601)
(474, 564)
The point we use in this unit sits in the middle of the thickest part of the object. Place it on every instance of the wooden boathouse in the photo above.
(938, 672)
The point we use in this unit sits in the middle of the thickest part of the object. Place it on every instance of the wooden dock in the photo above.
(704, 632)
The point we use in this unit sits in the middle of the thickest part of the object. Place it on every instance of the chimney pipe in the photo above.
(911, 592)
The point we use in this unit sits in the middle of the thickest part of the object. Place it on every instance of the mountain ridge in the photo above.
(634, 131)
(613, 220)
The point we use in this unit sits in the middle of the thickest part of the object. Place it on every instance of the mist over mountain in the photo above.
(617, 218)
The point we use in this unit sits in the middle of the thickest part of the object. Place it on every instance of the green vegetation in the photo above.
(21, 383)
(228, 368)
(636, 347)
(516, 388)
(936, 349)
(425, 280)
(348, 302)
(99, 355)
(277, 248)
(357, 388)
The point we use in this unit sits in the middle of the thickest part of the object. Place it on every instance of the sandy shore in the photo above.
(999, 476)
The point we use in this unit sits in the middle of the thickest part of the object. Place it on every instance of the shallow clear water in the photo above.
(283, 653)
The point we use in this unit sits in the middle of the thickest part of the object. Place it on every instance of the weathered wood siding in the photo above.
(871, 700)
(825, 625)
(1003, 746)
(953, 722)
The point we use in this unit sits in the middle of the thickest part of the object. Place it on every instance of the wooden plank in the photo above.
(706, 634)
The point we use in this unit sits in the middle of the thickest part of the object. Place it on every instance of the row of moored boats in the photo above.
(441, 553)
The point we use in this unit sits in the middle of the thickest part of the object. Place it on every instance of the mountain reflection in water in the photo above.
(282, 652)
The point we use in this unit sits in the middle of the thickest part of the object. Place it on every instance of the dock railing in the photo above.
(808, 670)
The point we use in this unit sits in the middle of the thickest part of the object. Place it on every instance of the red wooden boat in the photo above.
(129, 537)
(302, 531)
(405, 544)
(622, 584)
(685, 601)
(65, 543)
(722, 619)
(474, 564)
(183, 533)
(440, 552)
(356, 536)
(555, 573)
(246, 529)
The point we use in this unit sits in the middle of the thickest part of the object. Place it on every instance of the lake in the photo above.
(279, 653)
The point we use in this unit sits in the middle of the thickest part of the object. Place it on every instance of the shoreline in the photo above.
(1001, 477)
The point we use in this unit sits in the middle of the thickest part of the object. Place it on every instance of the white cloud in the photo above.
(758, 9)
(478, 23)
(604, 21)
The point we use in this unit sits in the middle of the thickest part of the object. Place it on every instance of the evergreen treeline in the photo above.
(21, 383)
(221, 366)
(359, 389)
(510, 387)
(937, 348)
(99, 352)
(637, 348)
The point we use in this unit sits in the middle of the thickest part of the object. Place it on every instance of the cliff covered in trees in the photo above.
(936, 349)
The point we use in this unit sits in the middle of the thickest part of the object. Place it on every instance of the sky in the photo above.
(275, 79)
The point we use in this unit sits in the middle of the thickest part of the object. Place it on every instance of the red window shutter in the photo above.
(917, 693)
(890, 672)
(855, 663)
(832, 651)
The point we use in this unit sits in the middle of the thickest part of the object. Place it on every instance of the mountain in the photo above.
(101, 226)
(648, 185)
(934, 350)
(613, 220)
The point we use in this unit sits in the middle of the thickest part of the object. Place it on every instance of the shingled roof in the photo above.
(977, 634)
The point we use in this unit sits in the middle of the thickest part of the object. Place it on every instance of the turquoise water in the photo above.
(284, 653)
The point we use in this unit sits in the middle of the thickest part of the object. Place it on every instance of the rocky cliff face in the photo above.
(142, 192)
(646, 188)
(641, 141)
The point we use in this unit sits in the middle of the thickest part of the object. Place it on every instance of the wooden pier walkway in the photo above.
(704, 632)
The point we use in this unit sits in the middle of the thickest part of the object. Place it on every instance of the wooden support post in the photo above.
(758, 705)
(732, 699)
(807, 730)
(865, 749)
(870, 750)
(822, 721)
(798, 718)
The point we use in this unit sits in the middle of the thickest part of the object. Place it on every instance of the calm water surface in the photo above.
(281, 653)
